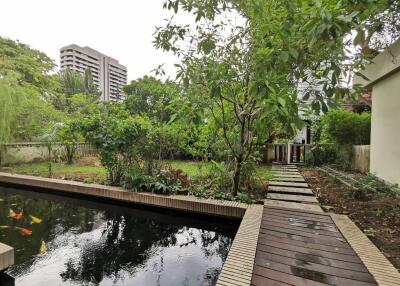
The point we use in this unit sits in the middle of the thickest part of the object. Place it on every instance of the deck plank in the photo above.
(302, 247)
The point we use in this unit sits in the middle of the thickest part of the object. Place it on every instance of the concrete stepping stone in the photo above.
(286, 179)
(287, 176)
(293, 198)
(293, 205)
(279, 177)
(288, 190)
(284, 168)
(288, 184)
(286, 172)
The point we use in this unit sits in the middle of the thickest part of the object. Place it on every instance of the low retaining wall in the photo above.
(361, 158)
(221, 208)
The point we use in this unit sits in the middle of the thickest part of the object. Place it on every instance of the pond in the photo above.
(66, 241)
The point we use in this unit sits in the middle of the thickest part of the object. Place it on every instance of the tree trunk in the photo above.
(49, 162)
(236, 178)
(239, 158)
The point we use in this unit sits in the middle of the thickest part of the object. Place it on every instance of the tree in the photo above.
(150, 97)
(244, 70)
(120, 138)
(24, 85)
(10, 96)
(69, 135)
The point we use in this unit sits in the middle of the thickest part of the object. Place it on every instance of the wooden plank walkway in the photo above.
(300, 245)
(297, 247)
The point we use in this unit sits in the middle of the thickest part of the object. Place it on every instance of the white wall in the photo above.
(385, 129)
(300, 136)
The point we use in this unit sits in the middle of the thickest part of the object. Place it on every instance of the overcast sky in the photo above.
(122, 29)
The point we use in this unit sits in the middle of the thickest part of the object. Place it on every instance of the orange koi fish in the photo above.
(11, 213)
(24, 231)
(15, 215)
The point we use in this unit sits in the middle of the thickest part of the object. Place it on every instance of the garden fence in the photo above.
(361, 158)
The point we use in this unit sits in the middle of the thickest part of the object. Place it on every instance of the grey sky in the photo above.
(120, 28)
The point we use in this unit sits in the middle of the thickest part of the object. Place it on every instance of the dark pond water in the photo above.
(78, 242)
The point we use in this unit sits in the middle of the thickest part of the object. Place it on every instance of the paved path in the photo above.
(300, 245)
(288, 186)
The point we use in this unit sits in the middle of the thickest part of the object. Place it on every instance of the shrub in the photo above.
(322, 154)
(336, 133)
(346, 128)
(120, 138)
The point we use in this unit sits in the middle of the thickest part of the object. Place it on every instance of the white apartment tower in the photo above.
(108, 74)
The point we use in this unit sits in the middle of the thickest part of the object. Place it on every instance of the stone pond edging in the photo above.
(6, 256)
(228, 209)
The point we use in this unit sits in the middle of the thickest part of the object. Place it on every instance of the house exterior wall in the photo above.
(385, 129)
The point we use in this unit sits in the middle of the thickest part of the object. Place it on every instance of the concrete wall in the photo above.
(383, 65)
(385, 129)
(384, 81)
(18, 153)
(361, 158)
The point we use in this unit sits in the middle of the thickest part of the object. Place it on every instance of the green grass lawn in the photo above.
(60, 170)
(98, 173)
(195, 168)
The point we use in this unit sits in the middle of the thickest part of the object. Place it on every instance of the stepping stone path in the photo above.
(289, 189)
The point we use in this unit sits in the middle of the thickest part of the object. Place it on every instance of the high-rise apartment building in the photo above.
(108, 74)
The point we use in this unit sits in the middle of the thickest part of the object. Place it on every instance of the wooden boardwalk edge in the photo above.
(377, 264)
(238, 267)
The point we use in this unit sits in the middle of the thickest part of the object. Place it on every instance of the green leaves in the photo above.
(294, 53)
(348, 18)
(284, 56)
(361, 75)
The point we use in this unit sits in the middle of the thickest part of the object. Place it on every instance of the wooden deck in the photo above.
(300, 245)
(297, 247)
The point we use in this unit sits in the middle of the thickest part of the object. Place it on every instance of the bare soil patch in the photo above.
(377, 215)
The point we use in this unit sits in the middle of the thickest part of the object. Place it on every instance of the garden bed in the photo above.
(89, 170)
(376, 214)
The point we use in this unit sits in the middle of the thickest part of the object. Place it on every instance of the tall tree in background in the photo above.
(150, 96)
(24, 84)
(247, 58)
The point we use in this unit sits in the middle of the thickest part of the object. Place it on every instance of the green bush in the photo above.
(120, 138)
(322, 154)
(335, 134)
(346, 128)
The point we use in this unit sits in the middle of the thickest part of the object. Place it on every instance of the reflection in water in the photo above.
(6, 280)
(98, 244)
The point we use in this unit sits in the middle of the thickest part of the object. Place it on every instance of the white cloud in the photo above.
(122, 29)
